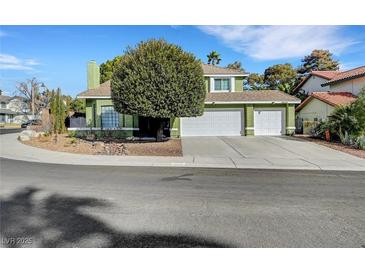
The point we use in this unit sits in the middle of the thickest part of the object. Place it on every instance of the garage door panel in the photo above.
(213, 123)
(269, 122)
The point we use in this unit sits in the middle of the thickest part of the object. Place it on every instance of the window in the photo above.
(222, 84)
(3, 105)
(109, 117)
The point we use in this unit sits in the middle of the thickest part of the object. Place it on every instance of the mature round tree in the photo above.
(236, 65)
(278, 75)
(107, 68)
(319, 59)
(158, 80)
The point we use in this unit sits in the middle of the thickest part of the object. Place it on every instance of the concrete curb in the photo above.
(11, 148)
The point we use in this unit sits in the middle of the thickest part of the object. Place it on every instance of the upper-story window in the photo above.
(222, 84)
(3, 105)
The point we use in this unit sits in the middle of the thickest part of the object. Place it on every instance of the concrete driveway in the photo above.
(261, 151)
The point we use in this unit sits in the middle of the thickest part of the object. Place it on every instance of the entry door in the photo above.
(213, 123)
(269, 122)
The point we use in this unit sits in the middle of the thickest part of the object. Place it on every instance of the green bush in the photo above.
(72, 133)
(321, 128)
(360, 142)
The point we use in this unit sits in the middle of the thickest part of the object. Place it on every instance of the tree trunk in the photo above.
(159, 131)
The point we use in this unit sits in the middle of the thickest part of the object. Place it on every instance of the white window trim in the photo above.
(219, 78)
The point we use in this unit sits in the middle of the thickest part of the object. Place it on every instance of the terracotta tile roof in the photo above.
(251, 96)
(326, 74)
(212, 70)
(347, 75)
(102, 91)
(331, 98)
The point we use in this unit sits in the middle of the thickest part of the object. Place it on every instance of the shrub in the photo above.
(319, 131)
(360, 142)
(344, 119)
(72, 133)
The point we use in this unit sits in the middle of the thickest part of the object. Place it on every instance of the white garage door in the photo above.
(213, 123)
(269, 122)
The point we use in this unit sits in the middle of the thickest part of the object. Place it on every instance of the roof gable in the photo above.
(215, 70)
(346, 75)
(331, 98)
(326, 74)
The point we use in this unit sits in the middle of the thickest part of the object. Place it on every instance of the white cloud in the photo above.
(279, 42)
(31, 62)
(10, 62)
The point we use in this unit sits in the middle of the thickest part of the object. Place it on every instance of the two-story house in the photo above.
(229, 109)
(352, 81)
(13, 109)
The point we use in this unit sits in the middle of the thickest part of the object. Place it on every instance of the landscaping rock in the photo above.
(24, 138)
(30, 133)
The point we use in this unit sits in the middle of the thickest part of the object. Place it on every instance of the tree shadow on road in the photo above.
(59, 221)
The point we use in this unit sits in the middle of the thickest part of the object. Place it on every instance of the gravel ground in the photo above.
(337, 146)
(66, 144)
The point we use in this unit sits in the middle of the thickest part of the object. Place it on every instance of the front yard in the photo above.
(65, 143)
(335, 145)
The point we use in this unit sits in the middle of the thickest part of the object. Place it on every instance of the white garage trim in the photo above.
(270, 124)
(210, 124)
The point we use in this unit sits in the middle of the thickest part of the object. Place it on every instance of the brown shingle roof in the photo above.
(240, 96)
(213, 70)
(101, 91)
(347, 75)
(251, 96)
(104, 89)
(331, 98)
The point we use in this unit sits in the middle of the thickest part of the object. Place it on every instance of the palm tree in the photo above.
(213, 58)
(344, 122)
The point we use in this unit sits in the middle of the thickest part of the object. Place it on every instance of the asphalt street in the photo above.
(10, 130)
(50, 205)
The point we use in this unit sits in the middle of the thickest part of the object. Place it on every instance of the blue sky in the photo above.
(57, 55)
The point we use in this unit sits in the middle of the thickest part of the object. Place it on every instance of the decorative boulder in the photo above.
(24, 138)
(30, 133)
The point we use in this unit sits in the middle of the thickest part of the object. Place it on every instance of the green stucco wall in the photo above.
(89, 112)
(125, 120)
(207, 84)
(290, 119)
(175, 128)
(131, 121)
(249, 126)
(238, 83)
(93, 75)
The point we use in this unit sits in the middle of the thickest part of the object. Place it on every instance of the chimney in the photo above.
(93, 75)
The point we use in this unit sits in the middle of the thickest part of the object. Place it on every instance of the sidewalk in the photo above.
(11, 148)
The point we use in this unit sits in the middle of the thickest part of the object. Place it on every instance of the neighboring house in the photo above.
(318, 106)
(13, 109)
(352, 80)
(327, 89)
(313, 82)
(229, 110)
